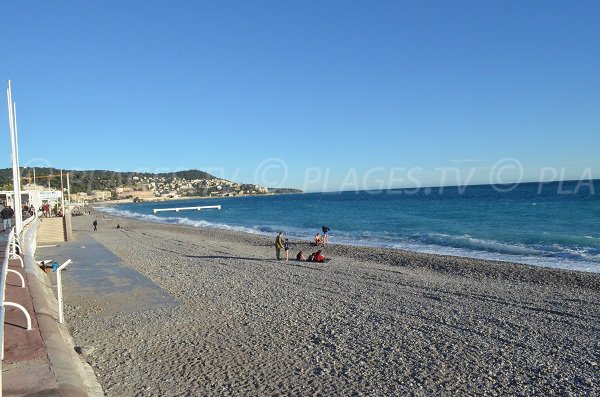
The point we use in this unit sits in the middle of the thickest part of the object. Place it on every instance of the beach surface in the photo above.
(229, 319)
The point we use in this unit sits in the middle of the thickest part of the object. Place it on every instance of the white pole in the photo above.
(68, 190)
(19, 211)
(16, 193)
(61, 318)
(62, 194)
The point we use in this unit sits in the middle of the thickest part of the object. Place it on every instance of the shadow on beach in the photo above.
(224, 257)
(302, 264)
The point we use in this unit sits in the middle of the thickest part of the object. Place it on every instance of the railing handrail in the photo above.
(2, 293)
(10, 253)
(7, 254)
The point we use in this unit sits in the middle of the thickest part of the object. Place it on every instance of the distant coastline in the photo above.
(187, 198)
(478, 222)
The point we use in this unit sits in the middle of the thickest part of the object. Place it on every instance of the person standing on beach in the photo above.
(279, 245)
(286, 247)
(95, 224)
(325, 234)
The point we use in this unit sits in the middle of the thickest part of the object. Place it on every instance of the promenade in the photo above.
(41, 361)
(45, 361)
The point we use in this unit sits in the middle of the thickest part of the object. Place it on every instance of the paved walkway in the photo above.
(98, 274)
(42, 361)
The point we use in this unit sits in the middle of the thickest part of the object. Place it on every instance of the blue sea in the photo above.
(545, 224)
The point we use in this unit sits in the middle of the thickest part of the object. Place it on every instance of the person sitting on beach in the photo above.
(318, 257)
(318, 239)
(300, 256)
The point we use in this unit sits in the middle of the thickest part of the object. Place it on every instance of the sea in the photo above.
(553, 224)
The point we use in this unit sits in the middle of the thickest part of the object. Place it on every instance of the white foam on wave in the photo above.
(468, 242)
(543, 261)
(173, 220)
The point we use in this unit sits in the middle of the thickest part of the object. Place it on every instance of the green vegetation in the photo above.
(86, 181)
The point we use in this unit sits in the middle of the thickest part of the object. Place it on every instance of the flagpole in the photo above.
(19, 211)
(16, 192)
(62, 193)
(68, 190)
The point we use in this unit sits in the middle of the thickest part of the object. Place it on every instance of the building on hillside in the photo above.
(100, 195)
(143, 195)
(124, 192)
(80, 198)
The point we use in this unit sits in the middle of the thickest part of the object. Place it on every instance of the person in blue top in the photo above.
(325, 234)
(286, 247)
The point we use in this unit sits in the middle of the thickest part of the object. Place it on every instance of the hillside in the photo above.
(86, 181)
(199, 182)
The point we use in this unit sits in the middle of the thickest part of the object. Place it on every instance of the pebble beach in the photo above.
(372, 321)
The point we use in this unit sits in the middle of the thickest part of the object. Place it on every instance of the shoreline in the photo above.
(161, 199)
(462, 254)
(450, 264)
(371, 321)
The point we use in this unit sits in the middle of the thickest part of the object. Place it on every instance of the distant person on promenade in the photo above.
(95, 224)
(7, 214)
(286, 247)
(279, 245)
(325, 230)
(25, 212)
(300, 256)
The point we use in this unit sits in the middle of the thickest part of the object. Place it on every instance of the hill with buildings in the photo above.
(104, 184)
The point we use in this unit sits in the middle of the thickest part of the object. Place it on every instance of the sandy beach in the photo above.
(374, 322)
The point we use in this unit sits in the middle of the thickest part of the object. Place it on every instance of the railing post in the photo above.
(59, 290)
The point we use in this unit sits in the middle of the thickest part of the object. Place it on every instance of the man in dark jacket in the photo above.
(7, 214)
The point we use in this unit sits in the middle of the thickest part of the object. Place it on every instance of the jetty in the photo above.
(203, 207)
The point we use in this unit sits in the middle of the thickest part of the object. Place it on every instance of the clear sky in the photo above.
(320, 95)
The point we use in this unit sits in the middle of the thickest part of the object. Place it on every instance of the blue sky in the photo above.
(317, 95)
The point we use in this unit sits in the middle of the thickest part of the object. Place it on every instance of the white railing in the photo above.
(61, 318)
(13, 244)
(10, 252)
